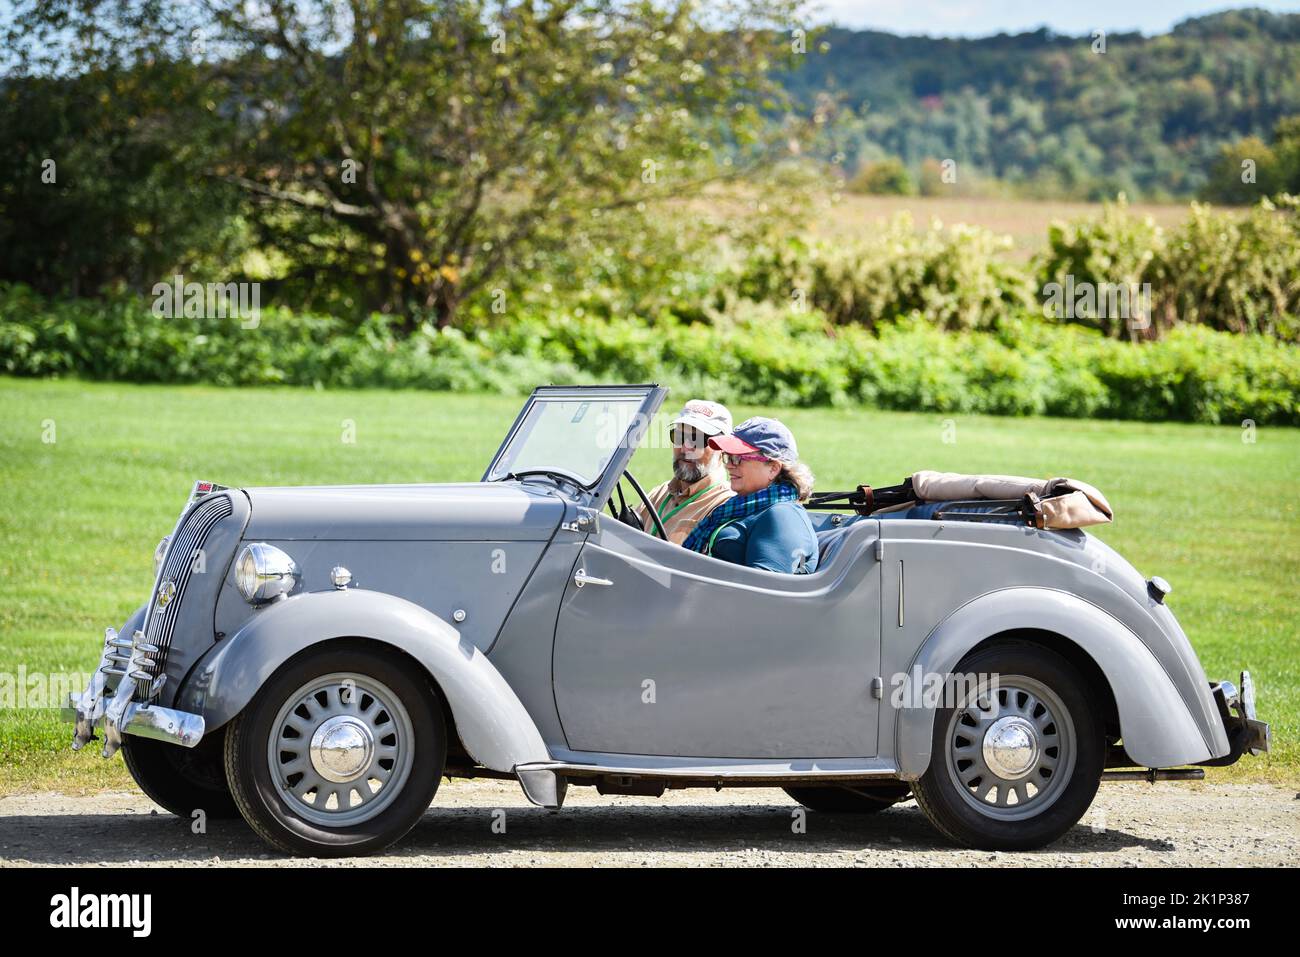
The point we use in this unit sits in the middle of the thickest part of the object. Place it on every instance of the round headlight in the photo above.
(160, 553)
(263, 572)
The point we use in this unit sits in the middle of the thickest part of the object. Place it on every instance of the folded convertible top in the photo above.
(1055, 503)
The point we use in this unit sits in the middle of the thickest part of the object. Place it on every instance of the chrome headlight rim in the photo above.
(264, 573)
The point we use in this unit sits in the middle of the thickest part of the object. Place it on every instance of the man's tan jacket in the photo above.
(681, 506)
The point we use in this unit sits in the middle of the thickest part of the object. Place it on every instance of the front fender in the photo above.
(1157, 727)
(495, 728)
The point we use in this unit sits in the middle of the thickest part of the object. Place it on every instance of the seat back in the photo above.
(830, 540)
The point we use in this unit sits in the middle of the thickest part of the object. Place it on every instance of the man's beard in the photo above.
(687, 470)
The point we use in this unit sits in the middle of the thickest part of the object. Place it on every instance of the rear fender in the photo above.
(1158, 728)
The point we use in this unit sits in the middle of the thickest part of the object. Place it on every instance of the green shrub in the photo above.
(1238, 274)
(1113, 249)
(755, 353)
(886, 177)
(954, 277)
(1229, 272)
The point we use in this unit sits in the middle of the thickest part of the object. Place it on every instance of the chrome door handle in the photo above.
(580, 578)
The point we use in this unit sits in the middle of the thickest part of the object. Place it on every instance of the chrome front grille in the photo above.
(183, 560)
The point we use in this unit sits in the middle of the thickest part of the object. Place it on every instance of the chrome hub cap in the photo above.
(1010, 748)
(1011, 751)
(341, 749)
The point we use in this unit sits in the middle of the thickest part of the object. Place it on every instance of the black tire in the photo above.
(257, 795)
(949, 806)
(182, 780)
(838, 799)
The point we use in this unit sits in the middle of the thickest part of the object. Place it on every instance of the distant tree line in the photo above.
(1059, 116)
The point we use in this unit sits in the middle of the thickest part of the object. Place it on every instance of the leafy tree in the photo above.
(434, 144)
(1286, 146)
(101, 181)
(1244, 171)
(1250, 169)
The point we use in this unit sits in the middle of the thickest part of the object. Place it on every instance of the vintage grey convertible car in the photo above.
(318, 659)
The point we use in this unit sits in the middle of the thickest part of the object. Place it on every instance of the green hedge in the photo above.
(759, 354)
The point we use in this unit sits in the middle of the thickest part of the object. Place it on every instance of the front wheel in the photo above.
(1013, 769)
(340, 753)
(182, 780)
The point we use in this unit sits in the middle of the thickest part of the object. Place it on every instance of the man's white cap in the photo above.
(711, 418)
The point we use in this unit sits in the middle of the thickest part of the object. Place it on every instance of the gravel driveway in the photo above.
(1130, 824)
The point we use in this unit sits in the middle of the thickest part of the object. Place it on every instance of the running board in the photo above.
(674, 770)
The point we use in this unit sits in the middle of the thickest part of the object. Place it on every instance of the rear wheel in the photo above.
(1015, 768)
(849, 800)
(182, 780)
(340, 753)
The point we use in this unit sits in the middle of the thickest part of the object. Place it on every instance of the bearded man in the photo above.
(699, 483)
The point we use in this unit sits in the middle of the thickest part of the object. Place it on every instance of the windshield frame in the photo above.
(597, 492)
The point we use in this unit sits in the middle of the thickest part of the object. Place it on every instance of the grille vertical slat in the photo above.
(178, 567)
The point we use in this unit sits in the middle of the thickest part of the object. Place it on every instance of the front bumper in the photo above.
(1237, 710)
(122, 712)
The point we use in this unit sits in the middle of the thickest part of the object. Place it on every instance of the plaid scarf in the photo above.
(738, 506)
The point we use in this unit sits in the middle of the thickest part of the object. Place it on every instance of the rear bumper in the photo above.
(1246, 733)
(119, 713)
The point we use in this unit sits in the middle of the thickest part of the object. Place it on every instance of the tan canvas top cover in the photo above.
(1066, 502)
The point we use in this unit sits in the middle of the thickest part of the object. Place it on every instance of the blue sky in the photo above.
(970, 18)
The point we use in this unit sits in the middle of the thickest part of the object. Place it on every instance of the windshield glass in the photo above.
(572, 433)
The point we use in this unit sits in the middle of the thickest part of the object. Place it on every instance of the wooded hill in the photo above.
(1056, 114)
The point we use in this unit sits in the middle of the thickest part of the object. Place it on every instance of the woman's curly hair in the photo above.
(798, 475)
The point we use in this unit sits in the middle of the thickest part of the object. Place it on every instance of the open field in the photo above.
(1216, 516)
(1025, 220)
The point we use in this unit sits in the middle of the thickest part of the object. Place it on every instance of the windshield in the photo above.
(571, 432)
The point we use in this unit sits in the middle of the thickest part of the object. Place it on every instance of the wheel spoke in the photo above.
(299, 763)
(309, 780)
(298, 723)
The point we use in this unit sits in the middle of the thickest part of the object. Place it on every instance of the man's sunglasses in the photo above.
(687, 438)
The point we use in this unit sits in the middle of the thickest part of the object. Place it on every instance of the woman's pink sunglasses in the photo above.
(730, 459)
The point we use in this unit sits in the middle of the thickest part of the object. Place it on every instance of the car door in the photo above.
(661, 651)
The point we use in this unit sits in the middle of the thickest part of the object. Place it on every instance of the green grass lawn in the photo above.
(80, 516)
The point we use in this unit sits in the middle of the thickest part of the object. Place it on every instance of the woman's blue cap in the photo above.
(759, 434)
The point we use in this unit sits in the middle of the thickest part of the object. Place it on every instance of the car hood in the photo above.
(479, 511)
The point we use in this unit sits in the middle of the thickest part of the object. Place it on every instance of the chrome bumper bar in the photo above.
(119, 714)
(1246, 733)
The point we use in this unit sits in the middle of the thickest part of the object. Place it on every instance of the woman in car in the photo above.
(763, 525)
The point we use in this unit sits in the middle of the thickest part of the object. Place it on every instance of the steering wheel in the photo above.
(645, 500)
